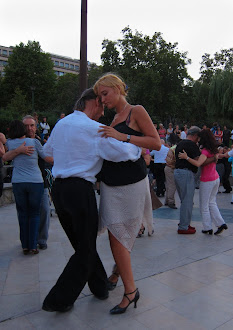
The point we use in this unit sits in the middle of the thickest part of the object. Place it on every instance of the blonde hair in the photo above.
(113, 81)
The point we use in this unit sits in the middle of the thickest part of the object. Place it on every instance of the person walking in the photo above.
(159, 165)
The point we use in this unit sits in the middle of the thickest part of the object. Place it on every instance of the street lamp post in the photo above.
(33, 90)
(83, 47)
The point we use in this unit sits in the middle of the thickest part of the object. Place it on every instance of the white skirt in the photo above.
(123, 209)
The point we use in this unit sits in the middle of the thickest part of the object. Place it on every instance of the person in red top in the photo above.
(218, 135)
(209, 183)
(162, 132)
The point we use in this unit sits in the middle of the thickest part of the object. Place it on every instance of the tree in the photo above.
(221, 61)
(154, 70)
(220, 102)
(67, 92)
(28, 67)
(94, 73)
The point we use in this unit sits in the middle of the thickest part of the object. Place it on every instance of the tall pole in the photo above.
(83, 47)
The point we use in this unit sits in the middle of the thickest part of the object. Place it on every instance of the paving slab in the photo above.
(185, 282)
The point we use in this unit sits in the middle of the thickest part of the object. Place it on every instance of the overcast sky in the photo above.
(199, 26)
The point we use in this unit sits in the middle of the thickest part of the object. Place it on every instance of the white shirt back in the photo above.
(78, 149)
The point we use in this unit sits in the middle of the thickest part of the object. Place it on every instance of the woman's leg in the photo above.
(35, 193)
(204, 199)
(214, 210)
(20, 195)
(123, 261)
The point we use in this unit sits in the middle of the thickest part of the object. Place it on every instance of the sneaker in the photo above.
(189, 231)
(191, 227)
(220, 229)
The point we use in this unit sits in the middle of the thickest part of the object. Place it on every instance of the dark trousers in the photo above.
(225, 179)
(75, 204)
(159, 176)
(28, 199)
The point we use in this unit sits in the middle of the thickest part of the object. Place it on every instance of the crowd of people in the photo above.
(78, 150)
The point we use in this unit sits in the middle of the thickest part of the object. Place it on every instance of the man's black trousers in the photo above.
(75, 204)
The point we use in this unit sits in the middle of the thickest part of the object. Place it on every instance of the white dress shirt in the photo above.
(160, 155)
(78, 149)
(183, 135)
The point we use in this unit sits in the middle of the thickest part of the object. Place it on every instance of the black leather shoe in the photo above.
(210, 232)
(220, 229)
(172, 206)
(42, 246)
(62, 309)
(102, 297)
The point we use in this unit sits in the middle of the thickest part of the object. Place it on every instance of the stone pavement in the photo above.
(185, 282)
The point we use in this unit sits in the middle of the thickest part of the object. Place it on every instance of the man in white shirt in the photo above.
(78, 151)
(158, 168)
(226, 154)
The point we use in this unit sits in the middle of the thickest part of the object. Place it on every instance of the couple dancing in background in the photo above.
(125, 195)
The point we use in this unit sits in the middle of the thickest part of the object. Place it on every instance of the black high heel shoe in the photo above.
(210, 232)
(111, 285)
(141, 232)
(120, 310)
(220, 229)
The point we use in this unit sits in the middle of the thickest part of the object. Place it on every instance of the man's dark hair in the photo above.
(16, 129)
(88, 94)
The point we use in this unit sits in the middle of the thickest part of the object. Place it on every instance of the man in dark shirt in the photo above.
(226, 136)
(184, 175)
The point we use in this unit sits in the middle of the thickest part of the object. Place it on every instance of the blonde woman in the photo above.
(125, 194)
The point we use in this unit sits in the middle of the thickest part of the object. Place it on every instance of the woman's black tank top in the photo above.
(123, 173)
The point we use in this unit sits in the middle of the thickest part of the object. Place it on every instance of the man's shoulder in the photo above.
(164, 148)
(76, 121)
(186, 144)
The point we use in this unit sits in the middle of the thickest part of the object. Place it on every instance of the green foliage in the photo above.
(18, 105)
(154, 70)
(16, 109)
(28, 67)
(220, 103)
(5, 118)
(221, 61)
(93, 74)
(110, 56)
(67, 92)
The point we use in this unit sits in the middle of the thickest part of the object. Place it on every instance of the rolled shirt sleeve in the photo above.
(117, 151)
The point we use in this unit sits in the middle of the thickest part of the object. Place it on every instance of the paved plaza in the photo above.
(185, 281)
